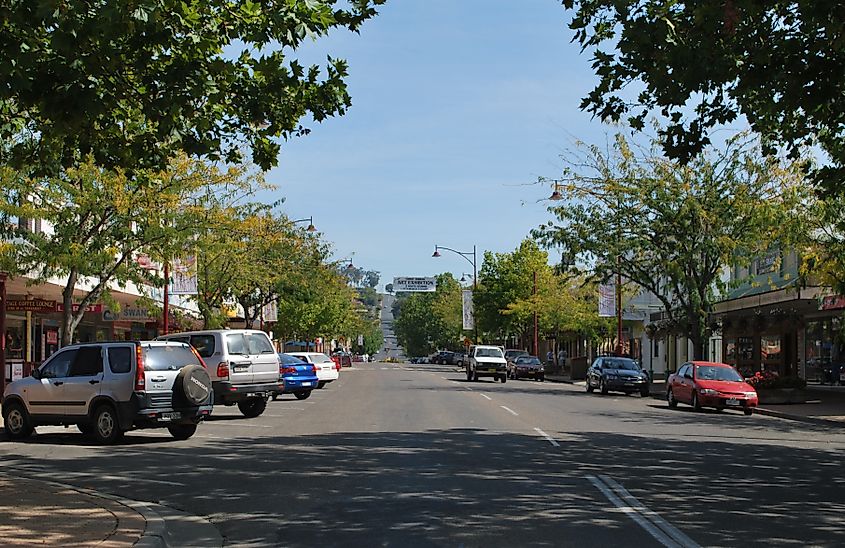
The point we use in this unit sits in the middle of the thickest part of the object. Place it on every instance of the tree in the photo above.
(94, 223)
(671, 228)
(425, 322)
(504, 279)
(780, 64)
(134, 83)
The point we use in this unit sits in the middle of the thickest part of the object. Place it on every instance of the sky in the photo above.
(458, 107)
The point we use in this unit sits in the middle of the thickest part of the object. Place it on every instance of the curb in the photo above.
(156, 532)
(798, 418)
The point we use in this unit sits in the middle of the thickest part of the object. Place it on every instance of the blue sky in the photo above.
(458, 106)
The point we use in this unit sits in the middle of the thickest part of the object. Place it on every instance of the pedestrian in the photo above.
(550, 356)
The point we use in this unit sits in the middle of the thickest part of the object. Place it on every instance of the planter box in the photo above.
(781, 395)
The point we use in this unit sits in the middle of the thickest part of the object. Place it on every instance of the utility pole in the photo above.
(166, 306)
(536, 337)
(618, 311)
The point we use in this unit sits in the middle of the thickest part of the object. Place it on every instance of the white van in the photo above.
(242, 364)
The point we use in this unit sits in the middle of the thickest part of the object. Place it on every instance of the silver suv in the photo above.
(243, 365)
(110, 387)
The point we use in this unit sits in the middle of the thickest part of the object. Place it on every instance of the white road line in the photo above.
(650, 514)
(488, 397)
(548, 437)
(637, 513)
(469, 388)
(509, 410)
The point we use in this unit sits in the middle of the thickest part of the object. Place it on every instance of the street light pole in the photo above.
(474, 262)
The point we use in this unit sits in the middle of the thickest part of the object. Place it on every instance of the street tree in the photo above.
(88, 224)
(505, 279)
(672, 228)
(425, 322)
(132, 84)
(780, 64)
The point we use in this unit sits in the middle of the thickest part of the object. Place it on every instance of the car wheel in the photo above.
(16, 421)
(182, 431)
(696, 405)
(603, 387)
(252, 407)
(748, 411)
(106, 428)
(304, 395)
(589, 387)
(542, 378)
(670, 397)
(504, 379)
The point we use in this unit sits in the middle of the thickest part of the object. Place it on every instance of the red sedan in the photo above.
(710, 384)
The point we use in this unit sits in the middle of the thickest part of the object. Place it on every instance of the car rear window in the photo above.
(322, 358)
(287, 359)
(259, 344)
(169, 358)
(204, 344)
(236, 344)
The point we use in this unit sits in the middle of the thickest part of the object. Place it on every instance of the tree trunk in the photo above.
(68, 325)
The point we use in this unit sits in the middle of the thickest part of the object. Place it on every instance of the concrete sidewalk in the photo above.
(41, 513)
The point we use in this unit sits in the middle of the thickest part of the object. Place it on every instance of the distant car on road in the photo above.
(611, 373)
(529, 367)
(710, 384)
(298, 376)
(511, 354)
(444, 357)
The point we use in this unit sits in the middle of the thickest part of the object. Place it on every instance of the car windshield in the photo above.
(528, 361)
(621, 363)
(488, 353)
(515, 353)
(716, 373)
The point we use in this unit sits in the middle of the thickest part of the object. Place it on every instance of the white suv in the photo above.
(242, 363)
(111, 387)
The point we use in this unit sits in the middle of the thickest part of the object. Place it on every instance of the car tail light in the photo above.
(197, 354)
(140, 380)
(223, 370)
(289, 370)
(313, 369)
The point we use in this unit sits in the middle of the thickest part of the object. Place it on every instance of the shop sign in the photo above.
(833, 302)
(17, 371)
(127, 315)
(96, 308)
(52, 336)
(30, 305)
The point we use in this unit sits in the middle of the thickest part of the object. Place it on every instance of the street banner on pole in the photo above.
(468, 313)
(415, 285)
(184, 275)
(607, 300)
(270, 312)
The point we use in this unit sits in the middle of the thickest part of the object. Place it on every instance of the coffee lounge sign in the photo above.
(44, 306)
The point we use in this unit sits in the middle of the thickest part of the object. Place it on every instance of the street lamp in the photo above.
(556, 194)
(311, 227)
(471, 259)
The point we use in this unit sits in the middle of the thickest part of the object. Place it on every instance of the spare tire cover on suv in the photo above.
(193, 383)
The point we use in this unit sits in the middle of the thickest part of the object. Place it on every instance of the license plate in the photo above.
(732, 401)
(170, 416)
(491, 370)
(256, 395)
(306, 384)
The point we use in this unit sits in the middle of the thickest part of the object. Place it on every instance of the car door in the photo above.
(240, 362)
(84, 380)
(46, 397)
(684, 383)
(265, 362)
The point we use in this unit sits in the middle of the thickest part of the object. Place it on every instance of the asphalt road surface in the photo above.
(413, 455)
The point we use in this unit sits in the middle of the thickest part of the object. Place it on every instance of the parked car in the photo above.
(486, 361)
(106, 389)
(342, 359)
(528, 367)
(710, 384)
(298, 376)
(611, 373)
(242, 363)
(512, 354)
(444, 357)
(328, 370)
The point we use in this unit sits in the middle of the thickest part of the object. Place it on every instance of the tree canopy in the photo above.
(425, 322)
(780, 64)
(672, 228)
(131, 84)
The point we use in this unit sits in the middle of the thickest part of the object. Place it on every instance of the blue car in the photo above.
(298, 377)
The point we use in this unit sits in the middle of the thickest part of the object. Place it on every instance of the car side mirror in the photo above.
(36, 373)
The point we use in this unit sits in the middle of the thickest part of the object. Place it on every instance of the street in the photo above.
(413, 455)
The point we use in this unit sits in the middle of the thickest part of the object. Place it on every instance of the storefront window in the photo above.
(730, 350)
(770, 348)
(822, 340)
(745, 349)
(15, 339)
